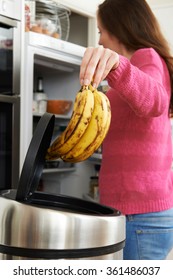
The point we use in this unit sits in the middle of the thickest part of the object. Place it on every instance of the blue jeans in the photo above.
(149, 236)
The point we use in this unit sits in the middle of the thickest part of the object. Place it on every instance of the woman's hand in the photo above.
(96, 64)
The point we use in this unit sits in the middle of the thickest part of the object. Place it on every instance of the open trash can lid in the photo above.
(35, 157)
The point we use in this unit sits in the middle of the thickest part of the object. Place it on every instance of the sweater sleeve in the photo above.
(143, 83)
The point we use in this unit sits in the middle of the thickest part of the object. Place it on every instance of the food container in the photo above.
(59, 107)
(47, 25)
(39, 225)
(41, 99)
(47, 17)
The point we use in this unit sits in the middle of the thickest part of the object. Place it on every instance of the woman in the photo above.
(135, 175)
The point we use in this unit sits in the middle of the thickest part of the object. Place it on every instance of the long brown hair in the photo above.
(135, 25)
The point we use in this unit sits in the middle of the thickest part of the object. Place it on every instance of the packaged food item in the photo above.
(40, 97)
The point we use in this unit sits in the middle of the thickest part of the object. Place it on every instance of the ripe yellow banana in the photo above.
(95, 132)
(80, 119)
(97, 143)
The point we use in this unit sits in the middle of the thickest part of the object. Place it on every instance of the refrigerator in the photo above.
(57, 63)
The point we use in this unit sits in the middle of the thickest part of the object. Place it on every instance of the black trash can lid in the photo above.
(35, 157)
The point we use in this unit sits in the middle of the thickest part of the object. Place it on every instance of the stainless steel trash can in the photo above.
(39, 225)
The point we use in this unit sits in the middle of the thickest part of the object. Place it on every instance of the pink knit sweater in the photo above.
(135, 175)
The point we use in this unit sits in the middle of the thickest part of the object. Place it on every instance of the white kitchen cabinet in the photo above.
(83, 13)
(84, 7)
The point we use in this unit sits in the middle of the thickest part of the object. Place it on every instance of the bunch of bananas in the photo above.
(86, 129)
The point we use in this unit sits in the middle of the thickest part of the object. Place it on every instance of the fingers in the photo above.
(96, 64)
(89, 64)
(108, 61)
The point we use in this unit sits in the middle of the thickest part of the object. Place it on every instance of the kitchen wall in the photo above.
(163, 9)
(159, 2)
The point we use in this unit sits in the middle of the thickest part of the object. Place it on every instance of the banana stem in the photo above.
(91, 88)
(84, 88)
